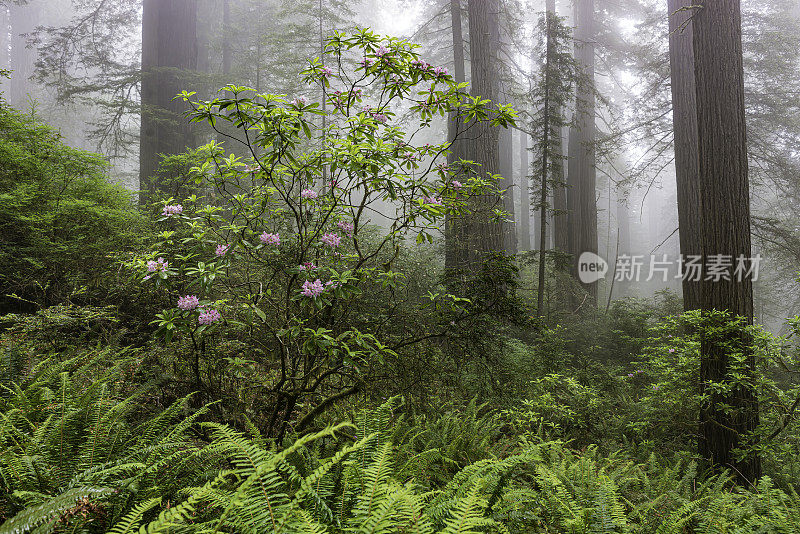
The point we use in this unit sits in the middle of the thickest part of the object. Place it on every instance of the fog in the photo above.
(76, 65)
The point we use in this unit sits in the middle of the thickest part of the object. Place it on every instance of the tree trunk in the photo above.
(524, 235)
(725, 230)
(506, 151)
(323, 97)
(505, 135)
(560, 211)
(546, 137)
(169, 52)
(453, 228)
(205, 14)
(560, 229)
(479, 233)
(574, 214)
(22, 19)
(684, 120)
(582, 140)
(227, 54)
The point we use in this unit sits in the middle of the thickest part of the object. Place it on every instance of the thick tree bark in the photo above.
(582, 172)
(169, 52)
(478, 233)
(725, 229)
(684, 119)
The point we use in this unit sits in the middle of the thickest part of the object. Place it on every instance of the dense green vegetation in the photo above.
(259, 356)
(60, 219)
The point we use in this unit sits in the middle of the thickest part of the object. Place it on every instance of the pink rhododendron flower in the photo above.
(440, 71)
(222, 250)
(333, 284)
(299, 101)
(455, 184)
(331, 239)
(347, 227)
(309, 194)
(306, 266)
(157, 265)
(382, 51)
(209, 316)
(326, 71)
(436, 201)
(313, 289)
(189, 302)
(170, 210)
(366, 62)
(270, 239)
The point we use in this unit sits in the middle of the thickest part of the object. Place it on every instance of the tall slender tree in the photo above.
(550, 94)
(728, 417)
(559, 219)
(451, 227)
(547, 135)
(524, 192)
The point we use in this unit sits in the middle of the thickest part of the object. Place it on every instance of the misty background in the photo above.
(76, 65)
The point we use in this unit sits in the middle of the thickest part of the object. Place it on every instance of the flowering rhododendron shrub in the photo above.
(288, 251)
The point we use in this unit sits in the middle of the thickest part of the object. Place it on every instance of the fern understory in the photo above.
(77, 455)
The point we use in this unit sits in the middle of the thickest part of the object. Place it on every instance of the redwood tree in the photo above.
(582, 171)
(480, 232)
(729, 414)
(684, 117)
(169, 53)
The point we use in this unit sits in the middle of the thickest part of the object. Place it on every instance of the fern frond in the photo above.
(130, 522)
(33, 516)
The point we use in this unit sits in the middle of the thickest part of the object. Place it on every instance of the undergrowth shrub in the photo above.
(61, 220)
